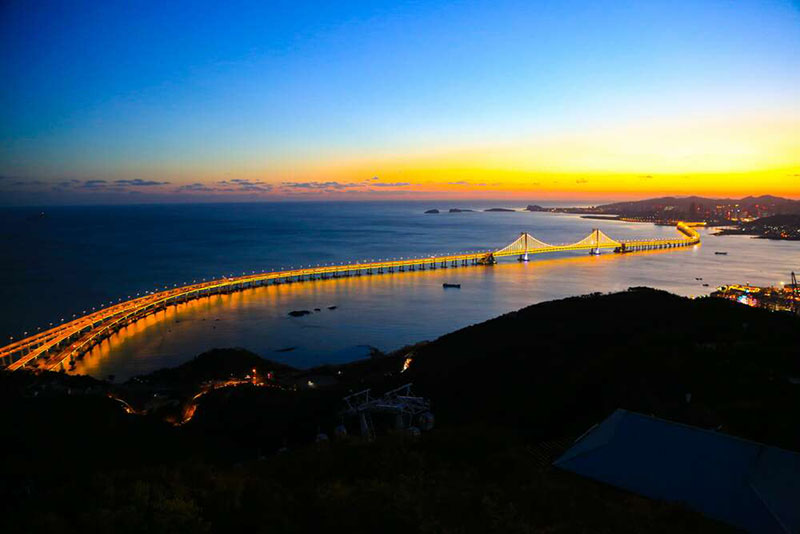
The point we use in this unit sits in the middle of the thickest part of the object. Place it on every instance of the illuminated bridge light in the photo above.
(45, 344)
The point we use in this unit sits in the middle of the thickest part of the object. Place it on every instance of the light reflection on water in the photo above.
(394, 309)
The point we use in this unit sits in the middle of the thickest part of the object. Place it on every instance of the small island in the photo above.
(432, 211)
(460, 210)
(501, 209)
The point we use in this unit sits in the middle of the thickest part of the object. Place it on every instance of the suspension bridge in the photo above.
(68, 341)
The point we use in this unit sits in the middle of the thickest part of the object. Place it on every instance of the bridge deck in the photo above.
(51, 348)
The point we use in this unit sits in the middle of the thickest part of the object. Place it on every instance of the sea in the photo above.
(59, 262)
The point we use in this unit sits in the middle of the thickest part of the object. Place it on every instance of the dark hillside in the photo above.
(556, 368)
(508, 395)
(214, 364)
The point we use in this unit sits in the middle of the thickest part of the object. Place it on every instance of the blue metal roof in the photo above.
(746, 484)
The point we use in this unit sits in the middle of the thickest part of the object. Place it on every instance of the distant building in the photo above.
(770, 298)
(746, 484)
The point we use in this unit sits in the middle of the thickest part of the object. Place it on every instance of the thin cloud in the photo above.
(315, 186)
(236, 185)
(364, 186)
(391, 184)
(138, 182)
(257, 186)
(196, 187)
(464, 182)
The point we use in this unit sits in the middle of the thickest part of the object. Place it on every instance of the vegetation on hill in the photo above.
(508, 394)
(215, 364)
(560, 366)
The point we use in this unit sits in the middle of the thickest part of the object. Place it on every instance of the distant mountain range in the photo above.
(693, 208)
(765, 203)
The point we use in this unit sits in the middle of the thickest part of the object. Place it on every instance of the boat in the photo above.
(705, 285)
(698, 278)
(594, 252)
(456, 286)
(718, 253)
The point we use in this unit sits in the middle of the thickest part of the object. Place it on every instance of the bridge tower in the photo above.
(595, 251)
(524, 255)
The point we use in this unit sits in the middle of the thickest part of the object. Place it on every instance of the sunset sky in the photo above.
(529, 100)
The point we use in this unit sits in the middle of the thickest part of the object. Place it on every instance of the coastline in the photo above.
(180, 389)
(722, 228)
(755, 235)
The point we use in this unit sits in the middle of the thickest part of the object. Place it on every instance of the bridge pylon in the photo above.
(524, 255)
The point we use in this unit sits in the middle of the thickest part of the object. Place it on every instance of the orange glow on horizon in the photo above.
(717, 157)
(721, 158)
(712, 157)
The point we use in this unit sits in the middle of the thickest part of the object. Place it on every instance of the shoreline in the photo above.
(723, 229)
(176, 394)
(754, 235)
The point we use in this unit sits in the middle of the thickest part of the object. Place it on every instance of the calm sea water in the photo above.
(74, 258)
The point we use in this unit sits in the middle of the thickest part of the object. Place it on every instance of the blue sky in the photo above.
(198, 92)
